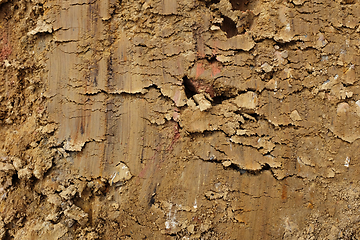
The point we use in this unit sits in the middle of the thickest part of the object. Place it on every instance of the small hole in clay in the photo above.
(266, 167)
(229, 27)
(189, 87)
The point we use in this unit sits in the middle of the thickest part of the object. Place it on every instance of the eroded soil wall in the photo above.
(169, 119)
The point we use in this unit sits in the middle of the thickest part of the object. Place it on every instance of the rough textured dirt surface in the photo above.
(169, 119)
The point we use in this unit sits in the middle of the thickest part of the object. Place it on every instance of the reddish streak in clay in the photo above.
(215, 69)
(199, 70)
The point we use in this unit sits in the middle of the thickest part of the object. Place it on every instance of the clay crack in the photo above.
(66, 41)
(83, 3)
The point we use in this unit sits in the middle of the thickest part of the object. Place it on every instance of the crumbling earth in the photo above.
(193, 119)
